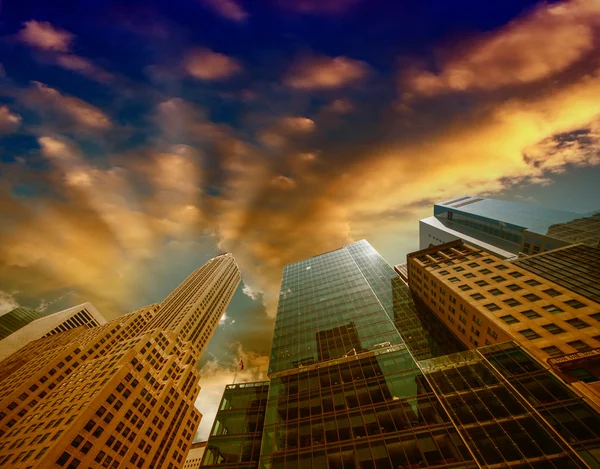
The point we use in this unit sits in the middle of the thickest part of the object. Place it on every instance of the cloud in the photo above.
(317, 6)
(216, 374)
(7, 302)
(543, 43)
(9, 121)
(284, 129)
(322, 73)
(204, 64)
(43, 35)
(85, 67)
(228, 9)
(74, 111)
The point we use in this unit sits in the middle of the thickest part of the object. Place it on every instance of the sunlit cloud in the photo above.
(42, 35)
(7, 302)
(52, 103)
(542, 43)
(9, 121)
(85, 67)
(205, 64)
(322, 72)
(229, 9)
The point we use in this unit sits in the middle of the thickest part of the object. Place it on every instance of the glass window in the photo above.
(512, 302)
(501, 267)
(515, 274)
(514, 287)
(577, 323)
(465, 287)
(531, 297)
(575, 304)
(443, 272)
(509, 319)
(485, 271)
(584, 375)
(453, 279)
(530, 334)
(552, 292)
(492, 306)
(553, 329)
(595, 316)
(553, 309)
(495, 291)
(477, 296)
(553, 351)
(473, 264)
(459, 269)
(532, 282)
(530, 314)
(579, 345)
(483, 283)
(469, 275)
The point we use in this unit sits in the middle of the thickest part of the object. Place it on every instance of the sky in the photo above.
(139, 139)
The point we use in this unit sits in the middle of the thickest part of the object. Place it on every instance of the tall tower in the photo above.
(117, 395)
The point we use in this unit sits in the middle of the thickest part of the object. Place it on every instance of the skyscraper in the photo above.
(117, 395)
(20, 326)
(506, 228)
(363, 377)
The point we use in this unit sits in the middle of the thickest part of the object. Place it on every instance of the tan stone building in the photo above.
(484, 300)
(194, 456)
(117, 395)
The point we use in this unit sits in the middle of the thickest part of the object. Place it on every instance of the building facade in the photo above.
(486, 300)
(117, 395)
(20, 326)
(236, 434)
(506, 228)
(194, 456)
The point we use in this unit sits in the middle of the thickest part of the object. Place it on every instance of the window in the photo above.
(579, 345)
(498, 278)
(530, 314)
(485, 271)
(531, 297)
(575, 304)
(492, 333)
(469, 275)
(477, 296)
(577, 323)
(512, 302)
(481, 283)
(495, 291)
(501, 267)
(552, 292)
(530, 334)
(553, 351)
(595, 316)
(532, 282)
(515, 274)
(553, 329)
(444, 272)
(473, 264)
(492, 306)
(514, 287)
(488, 261)
(553, 309)
(584, 375)
(74, 464)
(63, 459)
(509, 319)
(459, 269)
(453, 279)
(465, 287)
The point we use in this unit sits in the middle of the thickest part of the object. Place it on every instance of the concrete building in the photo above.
(117, 395)
(506, 228)
(194, 456)
(485, 300)
(33, 325)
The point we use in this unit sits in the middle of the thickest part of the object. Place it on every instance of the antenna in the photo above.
(45, 306)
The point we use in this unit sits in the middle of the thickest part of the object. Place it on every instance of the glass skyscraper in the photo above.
(364, 376)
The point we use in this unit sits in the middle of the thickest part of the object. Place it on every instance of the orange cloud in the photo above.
(229, 9)
(9, 121)
(204, 64)
(43, 35)
(321, 72)
(284, 129)
(85, 67)
(52, 102)
(547, 41)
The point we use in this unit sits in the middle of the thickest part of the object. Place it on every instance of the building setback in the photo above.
(347, 391)
(194, 456)
(20, 326)
(120, 394)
